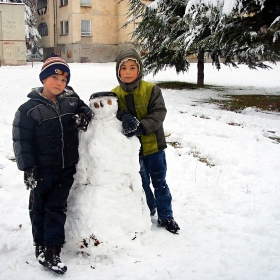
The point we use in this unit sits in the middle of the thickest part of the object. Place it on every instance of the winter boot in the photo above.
(169, 225)
(39, 249)
(51, 260)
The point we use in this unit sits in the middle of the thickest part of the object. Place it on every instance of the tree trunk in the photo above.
(200, 69)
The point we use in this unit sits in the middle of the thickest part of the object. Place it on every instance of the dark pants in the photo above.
(47, 205)
(153, 168)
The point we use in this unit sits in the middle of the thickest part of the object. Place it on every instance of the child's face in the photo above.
(54, 85)
(129, 71)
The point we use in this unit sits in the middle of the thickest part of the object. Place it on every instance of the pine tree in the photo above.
(31, 33)
(155, 33)
(249, 34)
(171, 30)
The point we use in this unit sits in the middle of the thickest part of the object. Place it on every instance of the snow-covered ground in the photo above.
(228, 213)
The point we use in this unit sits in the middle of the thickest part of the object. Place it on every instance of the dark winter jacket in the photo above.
(44, 132)
(145, 101)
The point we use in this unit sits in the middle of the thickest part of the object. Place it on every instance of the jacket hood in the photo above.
(36, 93)
(121, 56)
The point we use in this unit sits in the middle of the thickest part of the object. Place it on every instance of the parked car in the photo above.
(34, 57)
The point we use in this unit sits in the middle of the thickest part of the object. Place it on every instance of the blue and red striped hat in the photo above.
(54, 65)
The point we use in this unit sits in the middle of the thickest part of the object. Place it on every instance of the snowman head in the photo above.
(104, 104)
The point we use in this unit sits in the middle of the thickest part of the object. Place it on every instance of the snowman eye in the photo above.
(109, 102)
(96, 105)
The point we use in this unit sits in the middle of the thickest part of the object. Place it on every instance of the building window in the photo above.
(63, 2)
(64, 27)
(85, 27)
(42, 7)
(43, 29)
(42, 4)
(85, 2)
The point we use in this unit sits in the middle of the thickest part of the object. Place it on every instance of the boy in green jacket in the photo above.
(142, 111)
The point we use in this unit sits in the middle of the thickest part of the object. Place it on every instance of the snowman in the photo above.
(106, 206)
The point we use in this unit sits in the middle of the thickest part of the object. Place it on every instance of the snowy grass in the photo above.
(239, 103)
(230, 102)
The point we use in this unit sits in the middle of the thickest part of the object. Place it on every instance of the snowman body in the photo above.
(107, 204)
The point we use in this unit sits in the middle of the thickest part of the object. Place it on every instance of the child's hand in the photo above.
(29, 178)
(81, 121)
(137, 132)
(129, 124)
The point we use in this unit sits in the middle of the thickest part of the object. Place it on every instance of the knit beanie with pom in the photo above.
(55, 65)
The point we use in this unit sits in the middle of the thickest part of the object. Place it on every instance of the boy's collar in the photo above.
(131, 86)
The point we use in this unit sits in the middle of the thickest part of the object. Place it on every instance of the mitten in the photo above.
(29, 178)
(81, 121)
(139, 131)
(120, 113)
(129, 124)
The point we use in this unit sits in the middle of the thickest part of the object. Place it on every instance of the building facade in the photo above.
(83, 30)
(12, 34)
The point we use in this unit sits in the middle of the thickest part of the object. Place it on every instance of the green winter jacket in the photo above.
(145, 101)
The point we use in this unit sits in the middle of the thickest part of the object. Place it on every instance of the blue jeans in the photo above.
(153, 168)
(47, 205)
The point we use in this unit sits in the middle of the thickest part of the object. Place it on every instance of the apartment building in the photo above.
(83, 30)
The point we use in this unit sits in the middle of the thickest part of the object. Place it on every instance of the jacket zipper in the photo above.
(62, 135)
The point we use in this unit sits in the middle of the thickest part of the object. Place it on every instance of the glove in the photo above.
(81, 121)
(139, 131)
(29, 178)
(129, 124)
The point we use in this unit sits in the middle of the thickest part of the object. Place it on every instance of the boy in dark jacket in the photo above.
(45, 136)
(142, 111)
